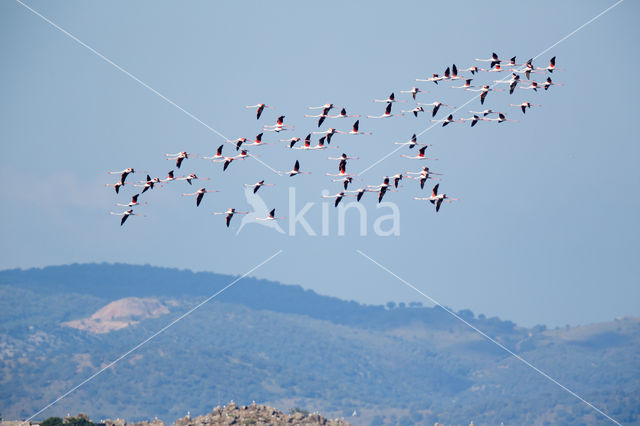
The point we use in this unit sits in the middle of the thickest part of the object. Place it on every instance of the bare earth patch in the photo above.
(120, 314)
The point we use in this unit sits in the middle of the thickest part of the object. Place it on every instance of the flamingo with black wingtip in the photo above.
(272, 216)
(229, 214)
(295, 171)
(436, 198)
(422, 176)
(338, 197)
(217, 157)
(125, 215)
(420, 155)
(523, 106)
(256, 186)
(387, 113)
(414, 91)
(447, 120)
(260, 108)
(123, 174)
(355, 130)
(199, 195)
(132, 203)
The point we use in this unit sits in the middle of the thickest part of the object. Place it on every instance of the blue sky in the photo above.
(546, 230)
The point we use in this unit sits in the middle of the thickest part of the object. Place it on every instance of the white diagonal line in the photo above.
(502, 80)
(483, 334)
(127, 73)
(148, 339)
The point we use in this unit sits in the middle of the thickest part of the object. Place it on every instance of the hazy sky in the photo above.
(546, 230)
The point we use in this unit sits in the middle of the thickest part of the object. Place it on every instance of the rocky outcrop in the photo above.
(254, 414)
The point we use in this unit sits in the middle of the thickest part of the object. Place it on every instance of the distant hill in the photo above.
(290, 347)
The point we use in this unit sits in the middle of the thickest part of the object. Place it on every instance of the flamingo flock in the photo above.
(517, 76)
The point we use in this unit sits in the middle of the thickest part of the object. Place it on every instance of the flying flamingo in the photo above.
(258, 185)
(548, 83)
(307, 143)
(320, 117)
(132, 203)
(116, 185)
(523, 106)
(217, 157)
(199, 194)
(256, 142)
(123, 174)
(360, 192)
(345, 181)
(295, 171)
(473, 70)
(278, 127)
(512, 82)
(227, 161)
(422, 176)
(342, 172)
(474, 120)
(237, 142)
(179, 157)
(229, 214)
(497, 68)
(454, 73)
(338, 197)
(387, 113)
(191, 177)
(396, 179)
(272, 216)
(415, 111)
(170, 177)
(466, 85)
(446, 75)
(320, 144)
(414, 91)
(485, 112)
(484, 91)
(447, 120)
(355, 130)
(420, 155)
(494, 60)
(551, 67)
(343, 114)
(527, 70)
(343, 157)
(500, 119)
(533, 86)
(382, 188)
(325, 114)
(293, 141)
(436, 106)
(260, 108)
(326, 108)
(328, 133)
(243, 154)
(125, 215)
(148, 184)
(389, 100)
(512, 63)
(437, 199)
(435, 79)
(412, 142)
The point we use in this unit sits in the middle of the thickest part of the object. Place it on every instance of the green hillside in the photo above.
(282, 345)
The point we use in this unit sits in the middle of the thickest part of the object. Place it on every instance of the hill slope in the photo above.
(289, 347)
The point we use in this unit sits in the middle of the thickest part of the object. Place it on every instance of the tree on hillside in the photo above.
(52, 421)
